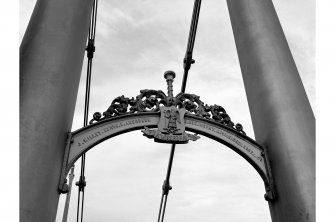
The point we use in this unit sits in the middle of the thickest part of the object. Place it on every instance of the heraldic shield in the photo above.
(171, 127)
(172, 120)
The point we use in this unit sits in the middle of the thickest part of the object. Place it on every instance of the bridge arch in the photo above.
(84, 139)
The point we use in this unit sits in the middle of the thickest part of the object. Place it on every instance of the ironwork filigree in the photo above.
(147, 101)
(150, 100)
(195, 106)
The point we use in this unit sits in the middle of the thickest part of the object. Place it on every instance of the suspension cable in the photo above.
(188, 61)
(90, 51)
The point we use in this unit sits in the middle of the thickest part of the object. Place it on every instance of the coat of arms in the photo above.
(171, 127)
(172, 120)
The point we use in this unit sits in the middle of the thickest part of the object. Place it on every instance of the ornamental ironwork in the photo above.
(165, 118)
(150, 100)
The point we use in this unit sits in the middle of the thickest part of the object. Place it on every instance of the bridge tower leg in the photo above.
(282, 118)
(51, 57)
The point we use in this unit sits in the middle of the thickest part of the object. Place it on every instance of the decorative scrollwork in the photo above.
(192, 104)
(195, 106)
(150, 100)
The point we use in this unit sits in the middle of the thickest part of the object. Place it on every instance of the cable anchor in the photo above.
(166, 187)
(81, 183)
(90, 48)
(188, 61)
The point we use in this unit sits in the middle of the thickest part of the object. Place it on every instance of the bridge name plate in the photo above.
(251, 150)
(82, 140)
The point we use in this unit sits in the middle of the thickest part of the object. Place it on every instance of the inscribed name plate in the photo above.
(88, 138)
(251, 150)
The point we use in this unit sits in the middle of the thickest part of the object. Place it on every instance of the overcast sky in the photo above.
(136, 42)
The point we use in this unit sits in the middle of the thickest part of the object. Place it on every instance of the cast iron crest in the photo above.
(171, 127)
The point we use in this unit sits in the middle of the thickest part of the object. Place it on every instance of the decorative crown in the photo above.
(150, 100)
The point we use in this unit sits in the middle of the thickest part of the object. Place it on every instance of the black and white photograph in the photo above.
(175, 111)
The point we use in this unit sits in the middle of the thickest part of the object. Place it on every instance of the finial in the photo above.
(169, 76)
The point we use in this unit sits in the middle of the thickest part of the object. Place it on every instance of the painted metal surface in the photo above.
(171, 117)
(84, 139)
(281, 115)
(51, 58)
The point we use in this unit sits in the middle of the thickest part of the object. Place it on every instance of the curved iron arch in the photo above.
(83, 139)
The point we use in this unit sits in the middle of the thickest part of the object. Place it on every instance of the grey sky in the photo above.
(136, 42)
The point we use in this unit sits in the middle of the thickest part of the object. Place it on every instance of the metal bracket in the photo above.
(63, 187)
(270, 194)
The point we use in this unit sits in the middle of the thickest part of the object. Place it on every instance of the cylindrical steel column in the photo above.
(282, 118)
(51, 57)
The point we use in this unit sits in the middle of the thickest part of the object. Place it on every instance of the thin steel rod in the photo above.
(187, 65)
(88, 90)
(160, 207)
(183, 84)
(82, 205)
(91, 36)
(78, 205)
(95, 19)
(170, 162)
(166, 183)
(194, 25)
(190, 44)
(164, 207)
